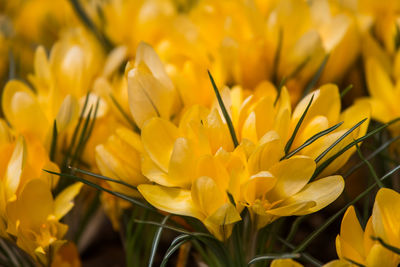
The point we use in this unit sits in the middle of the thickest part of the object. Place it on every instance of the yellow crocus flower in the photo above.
(384, 88)
(119, 158)
(194, 166)
(248, 115)
(33, 218)
(150, 90)
(278, 188)
(356, 245)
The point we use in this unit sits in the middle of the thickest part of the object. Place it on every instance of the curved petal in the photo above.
(386, 216)
(22, 109)
(352, 233)
(64, 201)
(14, 168)
(172, 200)
(158, 138)
(323, 191)
(295, 208)
(207, 196)
(292, 175)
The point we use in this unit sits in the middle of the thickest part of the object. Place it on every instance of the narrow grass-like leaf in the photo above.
(273, 257)
(279, 90)
(94, 205)
(156, 241)
(372, 155)
(304, 255)
(346, 90)
(175, 245)
(124, 114)
(296, 129)
(53, 146)
(358, 140)
(371, 169)
(224, 111)
(316, 77)
(313, 139)
(75, 133)
(326, 151)
(328, 222)
(95, 175)
(295, 226)
(98, 187)
(90, 25)
(384, 244)
(231, 199)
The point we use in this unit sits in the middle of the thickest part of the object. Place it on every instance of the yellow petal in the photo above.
(158, 137)
(182, 165)
(206, 195)
(68, 113)
(22, 109)
(265, 156)
(326, 102)
(338, 263)
(14, 168)
(172, 200)
(34, 204)
(379, 84)
(145, 54)
(380, 256)
(323, 192)
(64, 201)
(292, 175)
(285, 263)
(148, 98)
(386, 216)
(351, 231)
(154, 173)
(226, 214)
(258, 185)
(296, 208)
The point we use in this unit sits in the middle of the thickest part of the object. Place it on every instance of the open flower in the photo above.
(33, 218)
(278, 188)
(356, 245)
(194, 167)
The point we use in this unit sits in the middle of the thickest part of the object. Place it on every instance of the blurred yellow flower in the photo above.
(33, 218)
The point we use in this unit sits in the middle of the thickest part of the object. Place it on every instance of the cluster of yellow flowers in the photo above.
(121, 89)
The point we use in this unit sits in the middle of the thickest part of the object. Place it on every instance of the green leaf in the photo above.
(326, 151)
(346, 90)
(80, 11)
(224, 111)
(156, 241)
(296, 129)
(124, 114)
(358, 140)
(304, 255)
(98, 187)
(371, 169)
(53, 146)
(313, 139)
(175, 245)
(316, 77)
(279, 90)
(372, 155)
(74, 169)
(273, 257)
